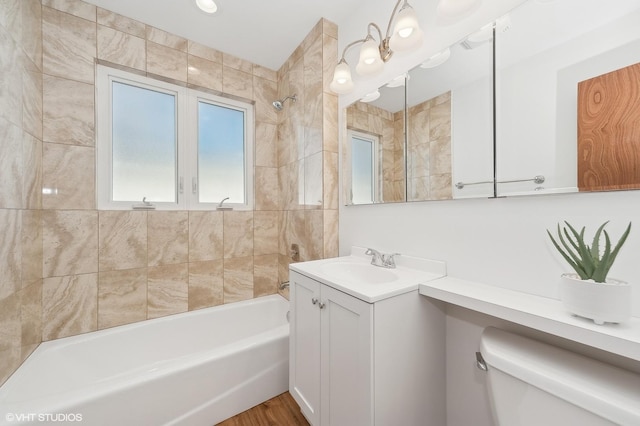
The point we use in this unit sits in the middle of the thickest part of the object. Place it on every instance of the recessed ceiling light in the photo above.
(208, 6)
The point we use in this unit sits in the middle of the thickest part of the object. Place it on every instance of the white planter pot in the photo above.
(601, 302)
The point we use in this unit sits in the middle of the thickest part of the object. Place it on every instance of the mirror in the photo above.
(450, 124)
(568, 97)
(374, 148)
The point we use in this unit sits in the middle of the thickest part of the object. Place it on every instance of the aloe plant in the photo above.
(588, 261)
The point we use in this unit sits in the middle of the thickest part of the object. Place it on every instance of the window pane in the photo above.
(221, 171)
(144, 144)
(362, 170)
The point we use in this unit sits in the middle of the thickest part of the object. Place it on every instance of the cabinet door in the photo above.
(304, 345)
(346, 359)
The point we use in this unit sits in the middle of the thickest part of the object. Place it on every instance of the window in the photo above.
(364, 167)
(173, 147)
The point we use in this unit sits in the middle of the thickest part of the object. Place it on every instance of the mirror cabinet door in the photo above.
(450, 123)
(374, 147)
(568, 97)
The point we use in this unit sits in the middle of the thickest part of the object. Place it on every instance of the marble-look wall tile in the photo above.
(166, 39)
(32, 31)
(10, 330)
(238, 83)
(440, 120)
(10, 252)
(206, 284)
(329, 60)
(440, 156)
(166, 61)
(11, 18)
(238, 279)
(329, 28)
(313, 191)
(331, 179)
(121, 48)
(313, 235)
(11, 70)
(31, 315)
(266, 145)
(122, 297)
(330, 233)
(440, 187)
(68, 177)
(237, 63)
(32, 88)
(238, 234)
(68, 111)
(70, 241)
(121, 23)
(266, 188)
(122, 241)
(205, 73)
(265, 232)
(269, 74)
(265, 92)
(330, 123)
(168, 237)
(77, 8)
(205, 235)
(69, 45)
(11, 165)
(32, 247)
(168, 290)
(204, 52)
(265, 275)
(69, 306)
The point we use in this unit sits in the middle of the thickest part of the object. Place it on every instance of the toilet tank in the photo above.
(535, 383)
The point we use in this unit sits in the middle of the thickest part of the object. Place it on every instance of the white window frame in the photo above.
(375, 161)
(186, 145)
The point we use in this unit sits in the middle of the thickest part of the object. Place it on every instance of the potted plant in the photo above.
(589, 293)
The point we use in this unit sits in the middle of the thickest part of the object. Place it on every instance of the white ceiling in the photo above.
(263, 32)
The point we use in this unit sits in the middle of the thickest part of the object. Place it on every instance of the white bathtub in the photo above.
(195, 368)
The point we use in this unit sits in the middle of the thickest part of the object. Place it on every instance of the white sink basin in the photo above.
(362, 273)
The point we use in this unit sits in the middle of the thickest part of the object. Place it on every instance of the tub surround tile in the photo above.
(69, 306)
(70, 241)
(69, 45)
(331, 180)
(237, 63)
(166, 62)
(167, 290)
(68, 177)
(238, 83)
(238, 279)
(32, 88)
(204, 52)
(166, 39)
(32, 246)
(11, 17)
(204, 73)
(330, 123)
(266, 145)
(205, 235)
(122, 242)
(206, 284)
(11, 81)
(11, 165)
(330, 234)
(31, 316)
(238, 234)
(31, 28)
(265, 275)
(263, 72)
(77, 8)
(440, 187)
(265, 232)
(121, 23)
(121, 48)
(122, 297)
(265, 92)
(313, 246)
(266, 188)
(10, 252)
(68, 111)
(313, 181)
(168, 237)
(10, 329)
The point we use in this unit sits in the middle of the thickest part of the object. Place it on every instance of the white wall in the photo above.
(501, 242)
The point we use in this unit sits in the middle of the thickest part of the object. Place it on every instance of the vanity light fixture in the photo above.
(406, 36)
(437, 59)
(207, 6)
(371, 96)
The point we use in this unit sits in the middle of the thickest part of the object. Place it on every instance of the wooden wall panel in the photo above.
(609, 131)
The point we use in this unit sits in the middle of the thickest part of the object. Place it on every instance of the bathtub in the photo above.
(194, 368)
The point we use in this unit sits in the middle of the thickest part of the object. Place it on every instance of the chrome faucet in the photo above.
(382, 260)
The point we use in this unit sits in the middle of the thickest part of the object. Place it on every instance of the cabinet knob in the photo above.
(322, 305)
(314, 301)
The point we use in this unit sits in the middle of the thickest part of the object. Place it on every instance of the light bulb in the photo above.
(342, 82)
(406, 33)
(370, 62)
(208, 6)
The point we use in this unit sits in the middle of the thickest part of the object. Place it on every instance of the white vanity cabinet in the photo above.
(356, 363)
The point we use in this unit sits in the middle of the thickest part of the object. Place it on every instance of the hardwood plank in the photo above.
(279, 411)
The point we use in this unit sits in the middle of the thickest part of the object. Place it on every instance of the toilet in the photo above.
(533, 383)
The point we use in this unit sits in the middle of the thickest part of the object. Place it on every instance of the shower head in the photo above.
(279, 103)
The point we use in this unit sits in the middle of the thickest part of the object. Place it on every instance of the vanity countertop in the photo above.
(540, 313)
(383, 283)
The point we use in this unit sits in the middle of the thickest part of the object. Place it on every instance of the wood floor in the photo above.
(279, 411)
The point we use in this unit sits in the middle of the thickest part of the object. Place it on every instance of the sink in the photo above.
(362, 273)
